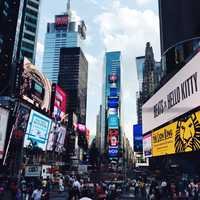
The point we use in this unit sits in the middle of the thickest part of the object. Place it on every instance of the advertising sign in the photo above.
(37, 130)
(3, 128)
(112, 111)
(60, 139)
(51, 140)
(113, 102)
(183, 135)
(178, 96)
(137, 137)
(35, 87)
(33, 171)
(61, 20)
(113, 137)
(113, 151)
(113, 91)
(58, 103)
(112, 78)
(113, 122)
(147, 147)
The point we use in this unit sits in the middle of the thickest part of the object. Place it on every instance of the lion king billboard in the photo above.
(183, 135)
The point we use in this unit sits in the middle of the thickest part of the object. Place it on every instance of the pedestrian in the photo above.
(61, 185)
(37, 193)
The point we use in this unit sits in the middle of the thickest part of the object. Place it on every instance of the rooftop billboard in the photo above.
(179, 95)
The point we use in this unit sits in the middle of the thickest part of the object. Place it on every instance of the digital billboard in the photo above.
(113, 137)
(147, 147)
(60, 138)
(113, 122)
(112, 78)
(113, 102)
(182, 135)
(4, 114)
(35, 87)
(58, 102)
(113, 151)
(61, 20)
(177, 97)
(112, 111)
(113, 91)
(137, 138)
(37, 130)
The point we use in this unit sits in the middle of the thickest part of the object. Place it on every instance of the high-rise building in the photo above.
(30, 30)
(149, 76)
(11, 23)
(179, 33)
(73, 75)
(110, 116)
(64, 32)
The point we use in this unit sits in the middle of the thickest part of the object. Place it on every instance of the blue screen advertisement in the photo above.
(113, 151)
(113, 92)
(38, 130)
(113, 102)
(137, 137)
(113, 122)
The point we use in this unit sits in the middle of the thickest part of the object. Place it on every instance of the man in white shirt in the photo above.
(37, 194)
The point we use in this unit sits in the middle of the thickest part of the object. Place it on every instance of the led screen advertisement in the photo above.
(58, 102)
(113, 121)
(112, 78)
(37, 130)
(147, 147)
(113, 137)
(137, 137)
(61, 20)
(178, 96)
(4, 114)
(113, 91)
(113, 102)
(182, 135)
(113, 151)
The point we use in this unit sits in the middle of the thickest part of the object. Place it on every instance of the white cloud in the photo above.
(128, 30)
(143, 2)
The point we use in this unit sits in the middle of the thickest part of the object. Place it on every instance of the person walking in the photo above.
(37, 194)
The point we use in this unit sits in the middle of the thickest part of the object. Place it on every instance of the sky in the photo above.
(112, 25)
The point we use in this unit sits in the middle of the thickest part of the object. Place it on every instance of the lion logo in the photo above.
(187, 134)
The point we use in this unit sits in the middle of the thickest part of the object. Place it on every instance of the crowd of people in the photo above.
(141, 188)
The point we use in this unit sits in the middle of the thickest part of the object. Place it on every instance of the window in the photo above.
(29, 37)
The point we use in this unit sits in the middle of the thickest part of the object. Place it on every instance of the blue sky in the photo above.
(123, 25)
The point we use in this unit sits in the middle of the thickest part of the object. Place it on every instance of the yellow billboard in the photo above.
(180, 136)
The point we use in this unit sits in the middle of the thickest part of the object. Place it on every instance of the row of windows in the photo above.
(29, 37)
(30, 19)
(27, 45)
(34, 5)
(32, 12)
(30, 28)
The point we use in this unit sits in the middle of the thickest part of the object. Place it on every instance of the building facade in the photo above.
(179, 33)
(73, 75)
(12, 20)
(110, 119)
(30, 29)
(62, 33)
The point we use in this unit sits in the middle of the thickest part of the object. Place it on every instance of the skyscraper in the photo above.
(110, 122)
(73, 75)
(149, 76)
(11, 23)
(30, 29)
(64, 32)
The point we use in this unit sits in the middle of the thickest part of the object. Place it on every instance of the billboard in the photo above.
(61, 20)
(178, 96)
(37, 130)
(112, 111)
(137, 138)
(113, 151)
(35, 87)
(113, 137)
(113, 91)
(112, 78)
(182, 135)
(58, 102)
(113, 122)
(113, 102)
(147, 147)
(4, 114)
